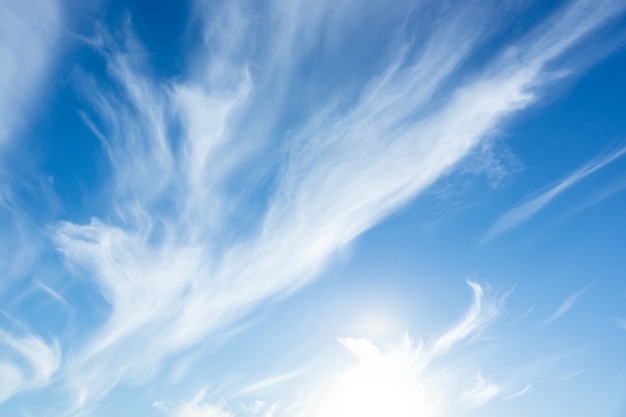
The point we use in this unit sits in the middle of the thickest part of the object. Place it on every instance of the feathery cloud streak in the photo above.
(269, 382)
(566, 305)
(196, 407)
(525, 211)
(35, 363)
(170, 260)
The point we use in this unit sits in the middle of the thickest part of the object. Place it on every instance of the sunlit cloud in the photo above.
(403, 378)
(169, 258)
(407, 380)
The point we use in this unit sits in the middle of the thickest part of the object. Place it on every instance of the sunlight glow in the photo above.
(380, 384)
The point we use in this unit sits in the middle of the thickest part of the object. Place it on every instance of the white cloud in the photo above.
(519, 393)
(269, 382)
(566, 305)
(199, 406)
(481, 393)
(52, 293)
(170, 258)
(196, 407)
(525, 211)
(481, 314)
(254, 408)
(28, 363)
(361, 348)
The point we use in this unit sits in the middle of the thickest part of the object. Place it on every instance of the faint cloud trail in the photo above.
(525, 211)
(567, 305)
(527, 389)
(269, 382)
(569, 376)
(29, 44)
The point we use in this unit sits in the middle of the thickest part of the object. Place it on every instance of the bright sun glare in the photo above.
(377, 385)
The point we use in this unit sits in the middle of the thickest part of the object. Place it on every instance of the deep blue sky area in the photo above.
(312, 208)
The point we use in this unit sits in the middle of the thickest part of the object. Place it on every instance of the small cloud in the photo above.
(481, 313)
(566, 306)
(481, 393)
(195, 407)
(569, 376)
(361, 348)
(254, 408)
(269, 382)
(52, 293)
(522, 317)
(519, 393)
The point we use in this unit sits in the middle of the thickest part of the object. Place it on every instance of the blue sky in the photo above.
(312, 208)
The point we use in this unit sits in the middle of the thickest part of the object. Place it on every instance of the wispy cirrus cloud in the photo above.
(200, 406)
(478, 317)
(269, 382)
(566, 305)
(525, 211)
(569, 376)
(171, 259)
(527, 389)
(27, 363)
(195, 407)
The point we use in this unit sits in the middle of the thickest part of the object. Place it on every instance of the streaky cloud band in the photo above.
(169, 260)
